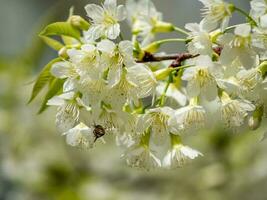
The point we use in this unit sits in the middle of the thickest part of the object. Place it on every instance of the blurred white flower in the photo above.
(188, 117)
(216, 12)
(179, 155)
(234, 111)
(105, 20)
(144, 18)
(156, 120)
(140, 156)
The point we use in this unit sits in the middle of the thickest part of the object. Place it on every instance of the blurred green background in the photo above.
(36, 163)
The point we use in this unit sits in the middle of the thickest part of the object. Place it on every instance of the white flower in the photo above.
(135, 83)
(140, 156)
(157, 121)
(235, 111)
(178, 156)
(185, 118)
(259, 42)
(116, 118)
(249, 79)
(144, 18)
(173, 93)
(201, 42)
(143, 78)
(63, 70)
(238, 46)
(105, 20)
(216, 12)
(68, 110)
(258, 8)
(80, 135)
(115, 57)
(201, 78)
(87, 62)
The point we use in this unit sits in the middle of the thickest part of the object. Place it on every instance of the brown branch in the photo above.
(178, 57)
(148, 57)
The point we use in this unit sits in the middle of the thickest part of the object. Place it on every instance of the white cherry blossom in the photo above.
(80, 135)
(216, 13)
(105, 20)
(179, 154)
(201, 42)
(115, 57)
(68, 110)
(234, 111)
(201, 78)
(238, 46)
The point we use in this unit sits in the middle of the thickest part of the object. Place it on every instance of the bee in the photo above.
(98, 132)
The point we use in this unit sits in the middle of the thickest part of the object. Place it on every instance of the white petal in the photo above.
(94, 32)
(95, 12)
(114, 75)
(88, 48)
(190, 153)
(106, 46)
(110, 4)
(126, 47)
(61, 69)
(243, 30)
(121, 13)
(113, 31)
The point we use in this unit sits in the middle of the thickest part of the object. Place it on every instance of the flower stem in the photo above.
(179, 30)
(153, 47)
(163, 95)
(250, 19)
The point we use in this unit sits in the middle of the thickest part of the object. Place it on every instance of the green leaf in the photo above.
(43, 78)
(54, 88)
(61, 28)
(54, 44)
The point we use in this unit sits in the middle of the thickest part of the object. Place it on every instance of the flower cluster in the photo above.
(149, 101)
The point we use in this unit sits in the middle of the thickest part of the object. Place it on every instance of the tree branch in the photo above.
(178, 58)
(148, 57)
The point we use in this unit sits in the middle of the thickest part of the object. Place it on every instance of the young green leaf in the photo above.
(61, 28)
(42, 79)
(54, 44)
(54, 88)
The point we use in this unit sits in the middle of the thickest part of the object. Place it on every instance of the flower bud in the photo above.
(62, 53)
(254, 123)
(79, 22)
(162, 74)
(163, 27)
(263, 68)
(153, 47)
